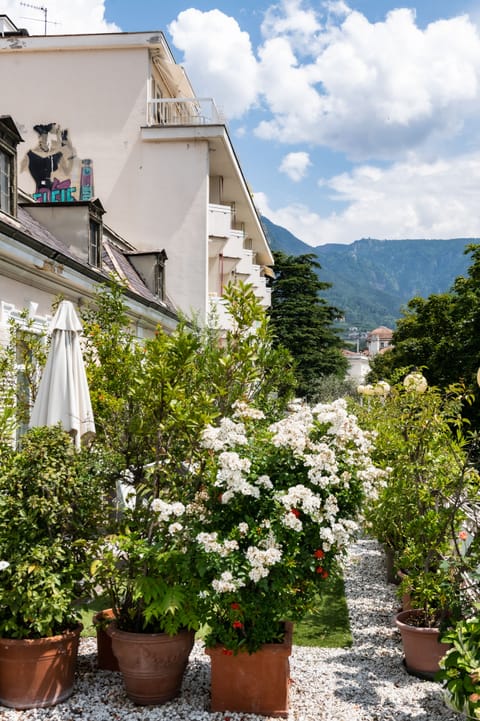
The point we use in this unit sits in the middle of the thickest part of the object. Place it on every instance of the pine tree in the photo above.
(303, 321)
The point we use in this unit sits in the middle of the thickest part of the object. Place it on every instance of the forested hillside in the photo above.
(372, 279)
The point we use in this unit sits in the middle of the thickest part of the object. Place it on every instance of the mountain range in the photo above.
(371, 280)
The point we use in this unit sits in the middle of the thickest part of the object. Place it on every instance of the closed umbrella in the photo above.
(63, 395)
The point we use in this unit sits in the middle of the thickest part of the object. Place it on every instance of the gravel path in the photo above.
(364, 683)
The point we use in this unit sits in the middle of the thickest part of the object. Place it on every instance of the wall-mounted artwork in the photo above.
(60, 176)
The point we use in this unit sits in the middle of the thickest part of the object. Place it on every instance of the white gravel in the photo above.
(366, 682)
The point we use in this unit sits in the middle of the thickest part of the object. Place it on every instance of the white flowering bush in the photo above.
(280, 503)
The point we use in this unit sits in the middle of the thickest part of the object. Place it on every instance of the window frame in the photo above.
(8, 193)
(95, 240)
(9, 139)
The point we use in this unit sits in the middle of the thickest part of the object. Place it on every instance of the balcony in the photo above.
(219, 316)
(244, 266)
(264, 295)
(219, 220)
(183, 111)
(233, 248)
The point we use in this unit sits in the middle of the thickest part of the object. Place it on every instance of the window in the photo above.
(22, 355)
(9, 139)
(6, 185)
(24, 361)
(29, 354)
(95, 243)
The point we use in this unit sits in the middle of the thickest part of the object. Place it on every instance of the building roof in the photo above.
(30, 232)
(382, 332)
(117, 262)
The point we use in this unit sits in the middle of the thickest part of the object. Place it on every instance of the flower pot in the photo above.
(152, 664)
(106, 659)
(421, 645)
(255, 683)
(406, 599)
(38, 672)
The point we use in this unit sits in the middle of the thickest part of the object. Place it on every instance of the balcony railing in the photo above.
(219, 220)
(218, 313)
(183, 111)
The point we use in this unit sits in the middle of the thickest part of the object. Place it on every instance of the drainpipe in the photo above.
(220, 256)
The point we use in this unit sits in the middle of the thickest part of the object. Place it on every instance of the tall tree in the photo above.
(303, 321)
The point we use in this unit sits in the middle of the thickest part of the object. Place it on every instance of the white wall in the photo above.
(358, 367)
(155, 194)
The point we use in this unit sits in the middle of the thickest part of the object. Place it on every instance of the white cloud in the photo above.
(218, 57)
(410, 199)
(73, 16)
(289, 19)
(337, 7)
(333, 78)
(373, 89)
(295, 165)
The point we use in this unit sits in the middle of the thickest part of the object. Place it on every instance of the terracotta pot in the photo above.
(421, 645)
(106, 659)
(152, 664)
(38, 672)
(252, 683)
(406, 599)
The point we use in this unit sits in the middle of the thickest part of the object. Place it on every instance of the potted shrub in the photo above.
(421, 439)
(51, 503)
(460, 668)
(150, 575)
(151, 401)
(281, 503)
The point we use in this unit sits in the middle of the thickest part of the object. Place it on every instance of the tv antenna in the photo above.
(42, 9)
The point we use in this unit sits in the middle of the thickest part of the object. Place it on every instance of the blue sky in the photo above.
(351, 118)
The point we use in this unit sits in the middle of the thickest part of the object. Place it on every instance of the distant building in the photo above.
(358, 365)
(379, 340)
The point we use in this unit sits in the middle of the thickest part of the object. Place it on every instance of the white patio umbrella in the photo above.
(63, 395)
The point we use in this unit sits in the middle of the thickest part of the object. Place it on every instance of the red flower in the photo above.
(463, 535)
(237, 624)
(235, 606)
(295, 512)
(227, 651)
(319, 569)
(322, 572)
(319, 553)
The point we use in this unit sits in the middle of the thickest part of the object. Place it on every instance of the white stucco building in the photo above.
(39, 264)
(112, 118)
(358, 366)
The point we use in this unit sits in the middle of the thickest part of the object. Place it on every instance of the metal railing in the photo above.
(183, 111)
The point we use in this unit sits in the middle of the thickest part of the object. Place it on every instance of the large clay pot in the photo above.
(421, 645)
(255, 683)
(38, 672)
(152, 664)
(406, 599)
(106, 659)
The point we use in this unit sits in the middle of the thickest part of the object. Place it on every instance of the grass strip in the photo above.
(328, 624)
